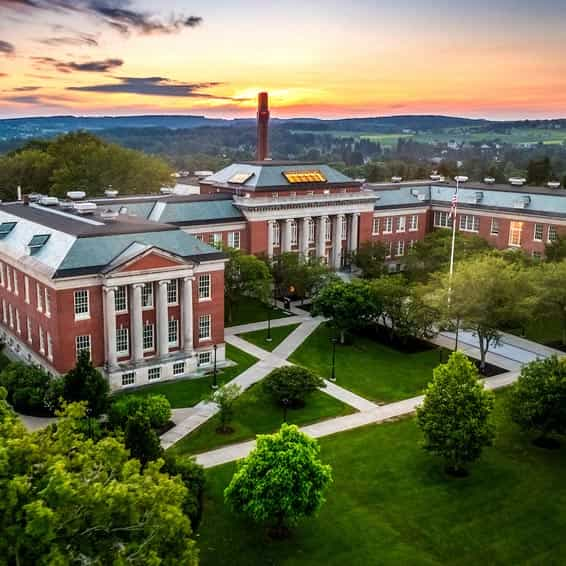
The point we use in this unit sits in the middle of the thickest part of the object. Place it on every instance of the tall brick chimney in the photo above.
(262, 126)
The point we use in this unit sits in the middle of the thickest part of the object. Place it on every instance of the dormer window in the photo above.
(6, 228)
(37, 243)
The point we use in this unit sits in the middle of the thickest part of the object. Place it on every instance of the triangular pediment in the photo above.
(140, 257)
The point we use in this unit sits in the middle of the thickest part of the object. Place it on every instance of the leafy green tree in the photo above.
(485, 294)
(348, 305)
(156, 407)
(31, 169)
(370, 258)
(65, 499)
(455, 414)
(550, 293)
(556, 250)
(141, 440)
(85, 383)
(225, 397)
(538, 399)
(245, 276)
(293, 384)
(539, 171)
(281, 481)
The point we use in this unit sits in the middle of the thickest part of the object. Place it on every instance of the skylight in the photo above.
(6, 228)
(37, 242)
(240, 178)
(295, 177)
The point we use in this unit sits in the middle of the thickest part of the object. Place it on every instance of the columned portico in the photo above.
(270, 238)
(353, 236)
(287, 235)
(321, 236)
(304, 237)
(110, 326)
(136, 317)
(162, 320)
(187, 315)
(337, 238)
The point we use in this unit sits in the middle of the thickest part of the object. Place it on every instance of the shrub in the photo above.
(192, 475)
(292, 383)
(29, 389)
(141, 440)
(156, 407)
(538, 399)
(280, 481)
(455, 414)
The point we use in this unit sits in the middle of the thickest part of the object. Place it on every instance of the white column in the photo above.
(337, 241)
(353, 240)
(110, 326)
(162, 320)
(187, 315)
(286, 244)
(321, 236)
(304, 238)
(270, 230)
(136, 321)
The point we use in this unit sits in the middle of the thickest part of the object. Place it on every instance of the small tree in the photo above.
(455, 414)
(538, 400)
(85, 383)
(281, 481)
(550, 293)
(155, 407)
(141, 440)
(370, 258)
(225, 397)
(293, 383)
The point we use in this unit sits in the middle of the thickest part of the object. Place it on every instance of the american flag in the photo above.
(454, 203)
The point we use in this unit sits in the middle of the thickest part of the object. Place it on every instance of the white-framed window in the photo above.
(28, 327)
(294, 233)
(388, 225)
(401, 223)
(215, 239)
(204, 286)
(173, 332)
(178, 368)
(469, 223)
(538, 232)
(153, 374)
(344, 226)
(26, 289)
(388, 248)
(39, 298)
(82, 344)
(494, 230)
(205, 327)
(274, 195)
(400, 249)
(121, 299)
(515, 233)
(129, 378)
(327, 230)
(172, 292)
(18, 324)
(412, 244)
(16, 287)
(122, 341)
(552, 234)
(147, 296)
(375, 226)
(204, 358)
(42, 342)
(148, 337)
(276, 234)
(310, 228)
(442, 219)
(413, 223)
(81, 304)
(49, 347)
(234, 240)
(47, 301)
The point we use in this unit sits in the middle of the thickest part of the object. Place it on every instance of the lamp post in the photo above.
(214, 383)
(333, 374)
(269, 338)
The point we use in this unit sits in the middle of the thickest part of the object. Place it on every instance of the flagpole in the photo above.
(453, 247)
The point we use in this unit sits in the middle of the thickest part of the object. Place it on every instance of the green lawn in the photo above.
(250, 310)
(278, 334)
(188, 392)
(367, 367)
(255, 413)
(390, 503)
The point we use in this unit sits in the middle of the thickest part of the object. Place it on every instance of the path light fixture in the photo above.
(334, 340)
(214, 370)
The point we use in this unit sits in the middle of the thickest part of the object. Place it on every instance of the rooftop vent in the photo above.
(436, 178)
(48, 201)
(241, 178)
(396, 179)
(76, 195)
(203, 174)
(553, 184)
(461, 179)
(37, 243)
(477, 197)
(108, 214)
(6, 228)
(166, 190)
(522, 202)
(111, 193)
(34, 197)
(85, 207)
(66, 204)
(489, 180)
(123, 210)
(517, 181)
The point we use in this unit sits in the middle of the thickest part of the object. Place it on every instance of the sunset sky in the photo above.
(498, 59)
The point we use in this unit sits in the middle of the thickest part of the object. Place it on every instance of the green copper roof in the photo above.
(199, 211)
